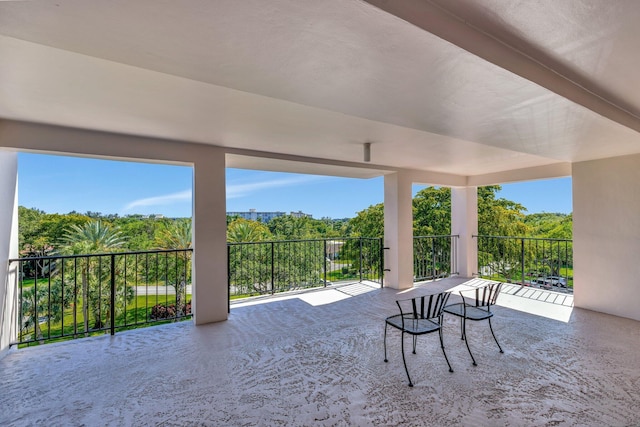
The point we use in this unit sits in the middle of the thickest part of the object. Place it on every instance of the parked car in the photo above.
(558, 281)
(541, 282)
(549, 281)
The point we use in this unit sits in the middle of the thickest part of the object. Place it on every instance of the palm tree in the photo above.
(249, 264)
(91, 238)
(44, 301)
(243, 230)
(177, 235)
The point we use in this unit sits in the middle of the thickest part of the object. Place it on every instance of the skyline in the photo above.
(61, 184)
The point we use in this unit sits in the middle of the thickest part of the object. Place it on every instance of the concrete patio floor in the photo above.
(316, 359)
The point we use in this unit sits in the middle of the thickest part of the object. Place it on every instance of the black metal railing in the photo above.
(528, 261)
(434, 257)
(259, 268)
(80, 295)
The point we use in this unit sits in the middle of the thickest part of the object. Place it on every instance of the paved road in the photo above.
(158, 290)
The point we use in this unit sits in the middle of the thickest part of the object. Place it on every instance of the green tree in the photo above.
(174, 235)
(369, 222)
(432, 212)
(38, 230)
(95, 237)
(550, 225)
(44, 301)
(177, 235)
(30, 227)
(563, 230)
(244, 230)
(288, 227)
(55, 226)
(340, 227)
(140, 233)
(499, 217)
(249, 264)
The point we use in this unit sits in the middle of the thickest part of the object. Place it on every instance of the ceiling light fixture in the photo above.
(367, 151)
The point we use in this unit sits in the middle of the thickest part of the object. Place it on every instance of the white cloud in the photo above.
(235, 191)
(167, 199)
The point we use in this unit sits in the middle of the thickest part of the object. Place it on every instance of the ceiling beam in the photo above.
(444, 24)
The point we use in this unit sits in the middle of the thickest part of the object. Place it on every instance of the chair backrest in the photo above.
(425, 306)
(486, 296)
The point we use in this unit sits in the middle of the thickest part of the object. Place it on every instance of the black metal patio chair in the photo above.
(476, 305)
(418, 316)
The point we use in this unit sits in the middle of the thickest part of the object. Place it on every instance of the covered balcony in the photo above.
(448, 93)
(316, 358)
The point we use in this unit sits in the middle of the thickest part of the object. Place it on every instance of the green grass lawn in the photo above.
(136, 315)
(335, 276)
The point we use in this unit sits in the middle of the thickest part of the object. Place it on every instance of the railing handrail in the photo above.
(50, 257)
(529, 261)
(323, 239)
(110, 294)
(434, 256)
(154, 251)
(118, 279)
(523, 237)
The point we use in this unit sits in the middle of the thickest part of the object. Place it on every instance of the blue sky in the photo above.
(58, 184)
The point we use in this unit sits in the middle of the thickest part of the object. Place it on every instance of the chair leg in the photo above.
(403, 359)
(466, 341)
(494, 336)
(462, 328)
(415, 341)
(442, 347)
(385, 341)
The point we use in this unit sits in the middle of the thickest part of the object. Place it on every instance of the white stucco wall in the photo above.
(209, 224)
(8, 243)
(606, 235)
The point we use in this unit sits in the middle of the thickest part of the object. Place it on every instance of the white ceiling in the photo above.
(318, 78)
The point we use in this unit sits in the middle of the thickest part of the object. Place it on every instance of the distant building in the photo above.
(151, 216)
(300, 214)
(254, 215)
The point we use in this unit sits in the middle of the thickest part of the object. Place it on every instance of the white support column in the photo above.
(464, 222)
(210, 292)
(8, 245)
(398, 230)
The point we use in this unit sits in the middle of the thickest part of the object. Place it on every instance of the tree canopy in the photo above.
(41, 233)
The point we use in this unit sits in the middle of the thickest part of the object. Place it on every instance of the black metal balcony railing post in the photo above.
(273, 270)
(360, 267)
(453, 253)
(112, 309)
(86, 290)
(49, 307)
(325, 262)
(269, 267)
(75, 297)
(434, 273)
(20, 293)
(522, 261)
(384, 269)
(135, 288)
(228, 279)
(540, 262)
(434, 256)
